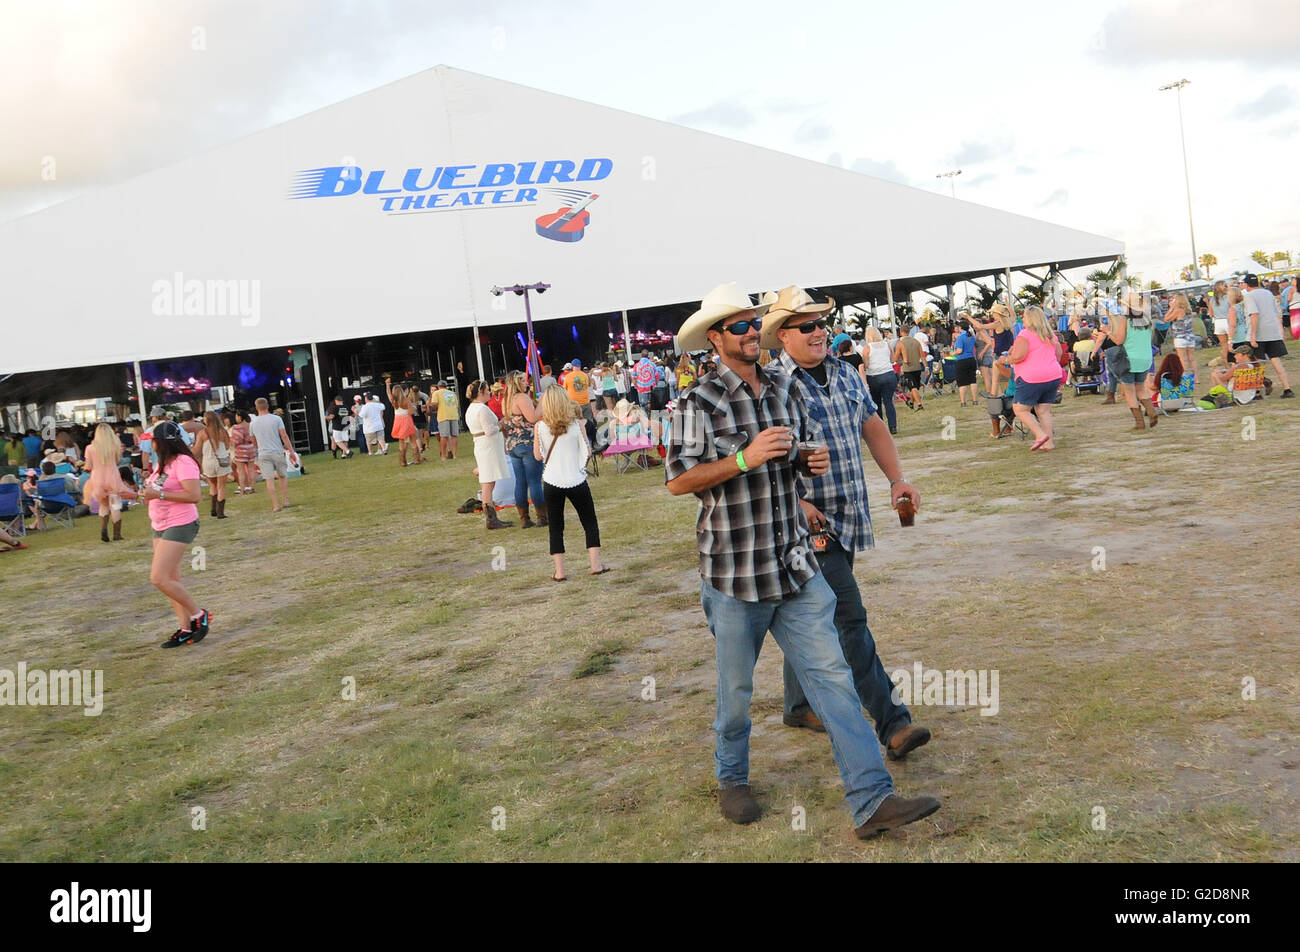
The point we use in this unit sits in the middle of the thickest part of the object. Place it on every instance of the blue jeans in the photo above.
(803, 628)
(1112, 378)
(883, 388)
(875, 690)
(528, 475)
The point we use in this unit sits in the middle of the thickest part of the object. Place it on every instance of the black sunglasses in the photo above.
(741, 328)
(811, 326)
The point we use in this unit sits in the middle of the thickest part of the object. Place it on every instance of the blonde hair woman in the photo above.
(489, 447)
(521, 413)
(106, 485)
(213, 449)
(1036, 355)
(877, 371)
(1219, 309)
(560, 442)
(1182, 328)
(404, 429)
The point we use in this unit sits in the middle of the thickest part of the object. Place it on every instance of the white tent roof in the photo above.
(263, 257)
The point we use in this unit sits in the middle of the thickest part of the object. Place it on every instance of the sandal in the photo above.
(602, 571)
(563, 578)
(1039, 443)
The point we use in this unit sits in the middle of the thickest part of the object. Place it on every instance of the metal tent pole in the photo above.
(139, 395)
(320, 398)
(478, 347)
(889, 297)
(627, 340)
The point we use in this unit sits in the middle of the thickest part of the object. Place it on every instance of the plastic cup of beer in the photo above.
(906, 512)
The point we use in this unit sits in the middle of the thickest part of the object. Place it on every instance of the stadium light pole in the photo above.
(1187, 180)
(522, 290)
(950, 176)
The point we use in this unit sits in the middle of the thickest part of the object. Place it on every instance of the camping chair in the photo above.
(11, 509)
(630, 450)
(1174, 398)
(1002, 407)
(54, 501)
(1247, 381)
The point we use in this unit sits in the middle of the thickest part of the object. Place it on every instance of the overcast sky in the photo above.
(1049, 110)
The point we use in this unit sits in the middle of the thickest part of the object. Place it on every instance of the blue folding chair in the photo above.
(55, 502)
(11, 509)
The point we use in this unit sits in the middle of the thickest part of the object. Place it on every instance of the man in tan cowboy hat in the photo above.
(733, 446)
(832, 393)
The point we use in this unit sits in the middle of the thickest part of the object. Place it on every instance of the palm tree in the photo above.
(1261, 259)
(984, 300)
(1154, 285)
(1208, 261)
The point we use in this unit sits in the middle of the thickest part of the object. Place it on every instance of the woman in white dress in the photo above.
(489, 447)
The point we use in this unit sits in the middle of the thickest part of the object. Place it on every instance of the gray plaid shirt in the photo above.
(837, 415)
(753, 538)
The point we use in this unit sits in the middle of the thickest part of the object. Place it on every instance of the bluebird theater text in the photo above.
(448, 186)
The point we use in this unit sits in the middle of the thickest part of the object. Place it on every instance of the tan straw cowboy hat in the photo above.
(785, 304)
(720, 303)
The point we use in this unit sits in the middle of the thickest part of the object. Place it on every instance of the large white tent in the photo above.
(398, 210)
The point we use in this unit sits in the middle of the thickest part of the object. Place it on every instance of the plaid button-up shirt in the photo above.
(753, 538)
(836, 414)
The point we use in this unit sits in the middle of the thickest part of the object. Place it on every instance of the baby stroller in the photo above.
(1087, 375)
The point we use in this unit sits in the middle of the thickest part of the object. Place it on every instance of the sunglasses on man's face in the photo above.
(811, 326)
(741, 328)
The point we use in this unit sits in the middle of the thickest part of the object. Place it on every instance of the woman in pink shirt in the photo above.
(172, 491)
(1036, 357)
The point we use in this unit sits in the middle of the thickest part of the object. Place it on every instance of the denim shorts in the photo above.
(1032, 394)
(186, 533)
(1133, 379)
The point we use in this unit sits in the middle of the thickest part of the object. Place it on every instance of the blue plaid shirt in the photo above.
(837, 414)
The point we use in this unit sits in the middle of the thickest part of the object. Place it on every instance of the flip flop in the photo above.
(554, 579)
(1039, 443)
(602, 571)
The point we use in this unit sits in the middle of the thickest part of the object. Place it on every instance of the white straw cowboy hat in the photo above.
(785, 304)
(720, 303)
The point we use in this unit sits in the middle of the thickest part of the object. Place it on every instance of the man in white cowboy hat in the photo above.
(733, 446)
(832, 394)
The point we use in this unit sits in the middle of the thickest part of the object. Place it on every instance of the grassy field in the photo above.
(489, 693)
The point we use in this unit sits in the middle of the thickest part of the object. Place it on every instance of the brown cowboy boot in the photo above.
(1140, 421)
(492, 521)
(221, 509)
(117, 531)
(1153, 415)
(1110, 398)
(541, 514)
(103, 528)
(527, 523)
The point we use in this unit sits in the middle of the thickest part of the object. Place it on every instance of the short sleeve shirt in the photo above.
(266, 429)
(164, 514)
(753, 539)
(837, 413)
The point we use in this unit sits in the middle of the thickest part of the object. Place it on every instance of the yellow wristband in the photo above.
(740, 461)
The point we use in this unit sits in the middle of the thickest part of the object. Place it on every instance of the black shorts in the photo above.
(910, 380)
(966, 372)
(1269, 348)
